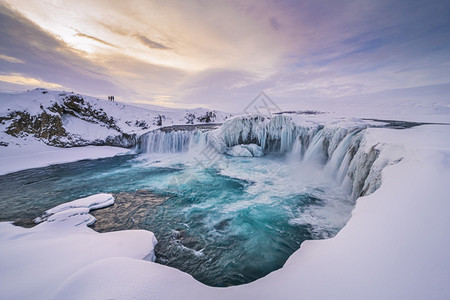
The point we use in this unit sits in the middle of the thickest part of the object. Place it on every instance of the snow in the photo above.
(239, 150)
(125, 115)
(87, 130)
(125, 278)
(63, 212)
(92, 202)
(36, 261)
(245, 150)
(418, 104)
(33, 154)
(29, 101)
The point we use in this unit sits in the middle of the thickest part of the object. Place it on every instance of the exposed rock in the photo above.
(48, 125)
(45, 126)
(209, 117)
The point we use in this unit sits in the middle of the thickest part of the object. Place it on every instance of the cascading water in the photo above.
(166, 142)
(337, 150)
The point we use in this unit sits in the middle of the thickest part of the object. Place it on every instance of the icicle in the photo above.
(337, 150)
(275, 135)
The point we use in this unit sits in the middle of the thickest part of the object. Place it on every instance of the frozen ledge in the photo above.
(77, 212)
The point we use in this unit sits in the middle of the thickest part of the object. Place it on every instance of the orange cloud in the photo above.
(22, 80)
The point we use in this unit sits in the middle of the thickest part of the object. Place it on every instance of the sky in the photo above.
(222, 54)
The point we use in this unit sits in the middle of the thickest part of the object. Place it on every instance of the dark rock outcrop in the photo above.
(48, 125)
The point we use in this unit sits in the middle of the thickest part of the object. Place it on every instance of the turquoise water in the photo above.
(225, 225)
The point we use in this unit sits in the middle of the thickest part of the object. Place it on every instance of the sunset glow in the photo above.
(220, 53)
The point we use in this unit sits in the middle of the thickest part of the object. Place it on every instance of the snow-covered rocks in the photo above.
(66, 119)
(248, 150)
(77, 212)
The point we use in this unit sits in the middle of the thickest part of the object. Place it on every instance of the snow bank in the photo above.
(32, 154)
(36, 261)
(125, 278)
(87, 130)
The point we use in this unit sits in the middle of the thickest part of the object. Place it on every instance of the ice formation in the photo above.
(341, 151)
(245, 150)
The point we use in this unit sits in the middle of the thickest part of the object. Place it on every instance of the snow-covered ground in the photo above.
(419, 104)
(126, 116)
(28, 151)
(395, 246)
(33, 154)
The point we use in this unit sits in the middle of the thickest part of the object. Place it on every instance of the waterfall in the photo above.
(166, 141)
(341, 152)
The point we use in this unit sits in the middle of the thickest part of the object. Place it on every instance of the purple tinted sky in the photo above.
(221, 54)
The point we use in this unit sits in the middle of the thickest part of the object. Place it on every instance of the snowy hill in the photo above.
(66, 119)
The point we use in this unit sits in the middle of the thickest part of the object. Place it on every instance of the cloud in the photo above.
(223, 53)
(95, 39)
(28, 81)
(11, 59)
(149, 43)
(275, 24)
(48, 59)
